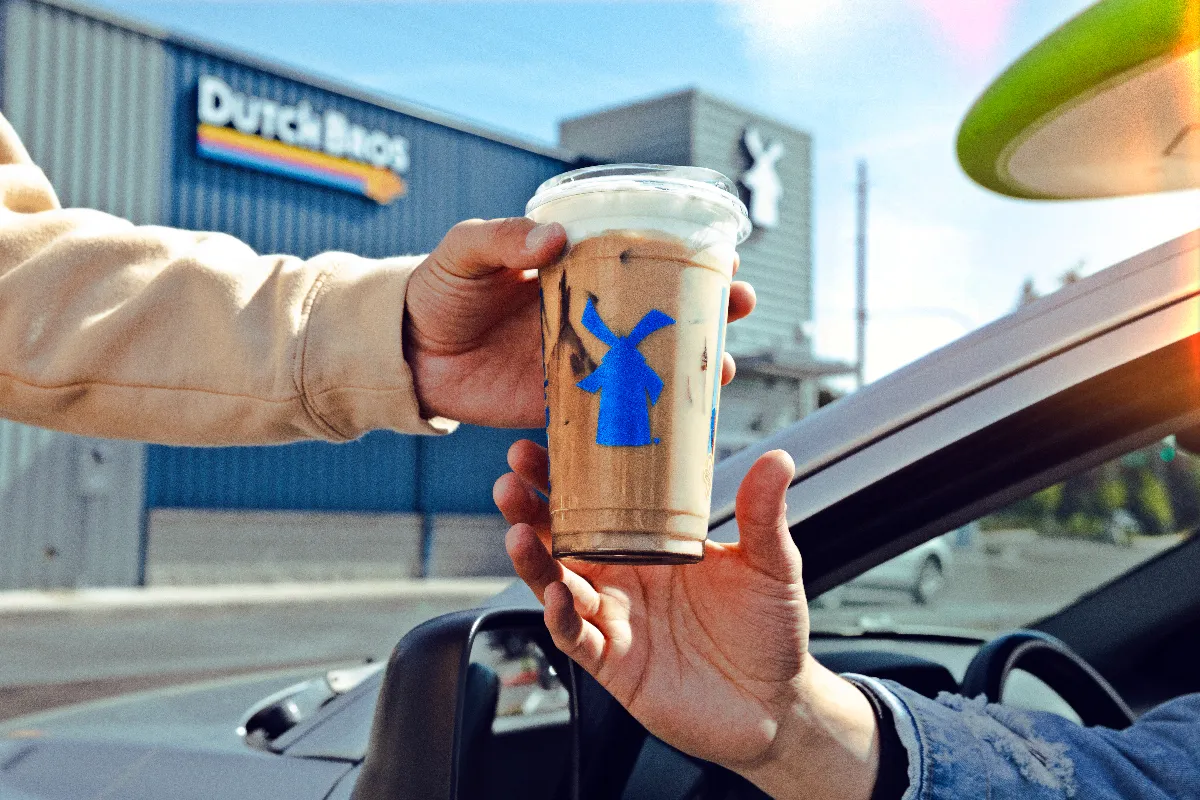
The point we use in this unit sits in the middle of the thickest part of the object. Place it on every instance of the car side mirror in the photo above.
(455, 690)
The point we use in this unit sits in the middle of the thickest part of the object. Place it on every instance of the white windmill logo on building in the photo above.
(762, 179)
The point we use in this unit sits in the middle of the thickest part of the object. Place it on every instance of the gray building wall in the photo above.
(85, 96)
(70, 509)
(778, 262)
(693, 128)
(107, 108)
(657, 131)
(42, 542)
(87, 99)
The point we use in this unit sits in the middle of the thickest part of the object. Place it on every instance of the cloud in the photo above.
(974, 29)
(788, 26)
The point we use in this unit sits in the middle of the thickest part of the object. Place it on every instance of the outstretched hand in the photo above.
(712, 658)
(472, 327)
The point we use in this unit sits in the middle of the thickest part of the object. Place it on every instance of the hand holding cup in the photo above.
(712, 658)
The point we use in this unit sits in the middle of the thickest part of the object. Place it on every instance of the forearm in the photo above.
(826, 748)
(120, 331)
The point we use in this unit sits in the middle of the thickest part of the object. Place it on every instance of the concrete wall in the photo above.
(469, 545)
(190, 547)
(201, 546)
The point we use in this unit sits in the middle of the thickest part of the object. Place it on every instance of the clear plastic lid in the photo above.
(698, 183)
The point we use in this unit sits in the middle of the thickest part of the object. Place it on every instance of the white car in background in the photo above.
(920, 572)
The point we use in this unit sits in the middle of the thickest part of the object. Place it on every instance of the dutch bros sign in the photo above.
(298, 142)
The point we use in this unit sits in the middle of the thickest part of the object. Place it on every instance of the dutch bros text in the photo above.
(343, 155)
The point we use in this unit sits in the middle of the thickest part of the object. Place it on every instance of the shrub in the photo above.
(1084, 526)
(1113, 495)
(1153, 507)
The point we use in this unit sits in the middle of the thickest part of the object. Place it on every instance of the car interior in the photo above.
(1120, 645)
(1071, 516)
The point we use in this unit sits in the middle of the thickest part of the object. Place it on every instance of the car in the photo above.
(919, 573)
(1020, 426)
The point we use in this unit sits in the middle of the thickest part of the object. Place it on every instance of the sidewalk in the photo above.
(26, 602)
(108, 633)
(66, 646)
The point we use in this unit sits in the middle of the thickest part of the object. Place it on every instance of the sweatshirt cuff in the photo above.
(350, 365)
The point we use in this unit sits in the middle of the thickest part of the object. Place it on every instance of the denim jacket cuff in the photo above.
(901, 720)
(944, 756)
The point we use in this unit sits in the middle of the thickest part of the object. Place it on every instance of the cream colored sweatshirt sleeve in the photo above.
(115, 330)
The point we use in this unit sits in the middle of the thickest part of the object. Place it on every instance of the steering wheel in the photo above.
(1051, 661)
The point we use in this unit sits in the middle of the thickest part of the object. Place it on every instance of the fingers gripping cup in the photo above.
(633, 333)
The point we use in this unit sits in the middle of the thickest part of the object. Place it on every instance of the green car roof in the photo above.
(1107, 105)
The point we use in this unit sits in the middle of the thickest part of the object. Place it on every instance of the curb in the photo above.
(128, 598)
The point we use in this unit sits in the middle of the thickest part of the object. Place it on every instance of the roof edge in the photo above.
(636, 103)
(328, 84)
(695, 94)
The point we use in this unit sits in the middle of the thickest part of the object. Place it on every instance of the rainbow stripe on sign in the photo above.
(234, 147)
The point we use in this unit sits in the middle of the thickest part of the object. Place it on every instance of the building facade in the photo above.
(161, 129)
(778, 374)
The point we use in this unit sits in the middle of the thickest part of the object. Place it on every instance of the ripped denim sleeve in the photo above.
(967, 748)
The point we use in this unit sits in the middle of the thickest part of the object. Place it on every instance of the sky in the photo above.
(883, 80)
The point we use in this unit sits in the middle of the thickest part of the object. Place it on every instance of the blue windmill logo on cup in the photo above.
(626, 383)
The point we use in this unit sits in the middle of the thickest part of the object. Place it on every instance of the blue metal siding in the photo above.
(457, 471)
(453, 175)
(374, 473)
(378, 473)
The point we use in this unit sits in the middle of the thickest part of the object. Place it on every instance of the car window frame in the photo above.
(835, 513)
(1054, 325)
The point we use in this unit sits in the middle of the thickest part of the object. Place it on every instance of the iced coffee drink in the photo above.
(633, 332)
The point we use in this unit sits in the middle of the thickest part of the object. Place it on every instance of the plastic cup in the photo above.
(633, 333)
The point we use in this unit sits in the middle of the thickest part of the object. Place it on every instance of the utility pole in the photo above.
(860, 276)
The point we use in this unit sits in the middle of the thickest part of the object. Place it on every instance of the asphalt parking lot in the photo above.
(998, 585)
(54, 657)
